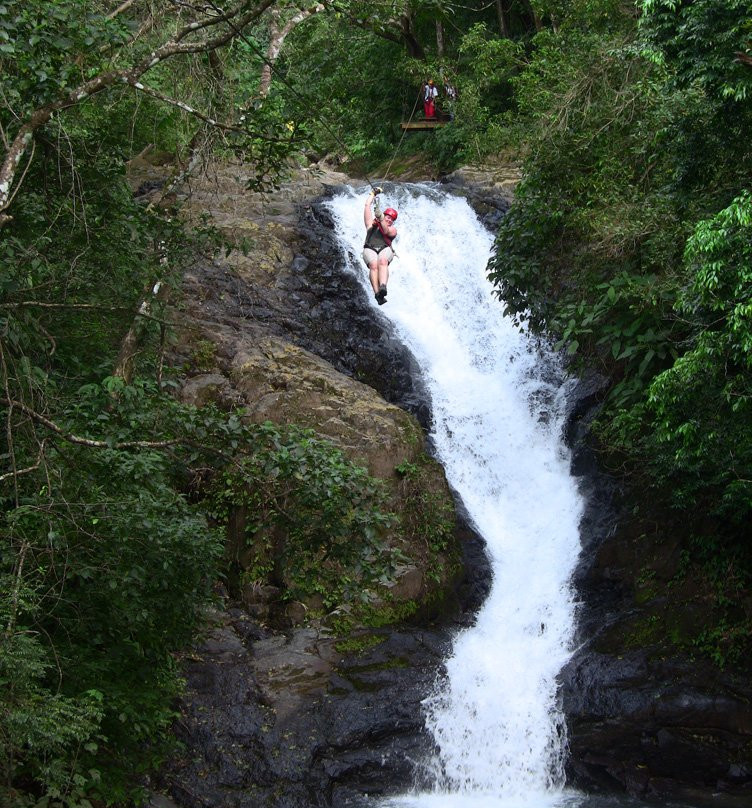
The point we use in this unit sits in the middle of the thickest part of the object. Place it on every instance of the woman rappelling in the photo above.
(377, 250)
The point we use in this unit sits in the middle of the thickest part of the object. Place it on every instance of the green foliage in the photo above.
(490, 60)
(109, 558)
(581, 254)
(726, 643)
(698, 411)
(48, 47)
(629, 241)
(107, 567)
(727, 574)
(107, 564)
(592, 249)
(428, 516)
(482, 77)
(51, 729)
(204, 354)
(313, 520)
(698, 40)
(360, 95)
(369, 84)
(359, 643)
(373, 615)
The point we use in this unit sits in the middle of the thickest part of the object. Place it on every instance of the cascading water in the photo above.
(497, 404)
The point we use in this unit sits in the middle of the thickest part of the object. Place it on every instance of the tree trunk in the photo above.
(534, 19)
(439, 39)
(414, 48)
(503, 19)
(135, 336)
(277, 35)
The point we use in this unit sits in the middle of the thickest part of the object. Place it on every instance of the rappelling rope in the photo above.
(404, 132)
(377, 191)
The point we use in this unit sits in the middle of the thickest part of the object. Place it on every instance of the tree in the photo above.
(105, 565)
(278, 31)
(701, 41)
(58, 54)
(700, 410)
(629, 241)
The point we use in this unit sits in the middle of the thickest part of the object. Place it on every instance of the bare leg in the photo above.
(373, 274)
(383, 274)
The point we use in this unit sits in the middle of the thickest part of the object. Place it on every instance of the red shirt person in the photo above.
(429, 100)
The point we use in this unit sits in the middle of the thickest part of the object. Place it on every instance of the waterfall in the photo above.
(497, 401)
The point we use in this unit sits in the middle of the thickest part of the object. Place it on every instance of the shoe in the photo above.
(382, 290)
(380, 299)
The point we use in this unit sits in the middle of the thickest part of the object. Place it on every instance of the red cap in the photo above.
(391, 212)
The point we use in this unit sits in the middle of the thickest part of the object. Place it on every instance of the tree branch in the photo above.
(80, 441)
(91, 306)
(185, 107)
(134, 337)
(101, 444)
(237, 19)
(382, 31)
(28, 469)
(38, 304)
(277, 38)
(120, 9)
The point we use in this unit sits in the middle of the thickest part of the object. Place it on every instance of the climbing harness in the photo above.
(374, 236)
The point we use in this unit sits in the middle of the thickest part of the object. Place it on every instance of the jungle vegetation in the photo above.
(629, 242)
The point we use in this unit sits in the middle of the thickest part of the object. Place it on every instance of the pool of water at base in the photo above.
(563, 799)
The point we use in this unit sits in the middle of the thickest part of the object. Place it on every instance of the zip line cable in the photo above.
(301, 99)
(404, 132)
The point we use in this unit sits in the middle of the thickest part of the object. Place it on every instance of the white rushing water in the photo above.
(497, 404)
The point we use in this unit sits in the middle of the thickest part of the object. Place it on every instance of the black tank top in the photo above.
(375, 239)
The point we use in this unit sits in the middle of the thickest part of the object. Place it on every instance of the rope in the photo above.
(409, 121)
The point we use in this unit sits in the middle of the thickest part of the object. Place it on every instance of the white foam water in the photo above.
(498, 402)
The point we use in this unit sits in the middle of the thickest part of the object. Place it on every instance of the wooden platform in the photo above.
(423, 124)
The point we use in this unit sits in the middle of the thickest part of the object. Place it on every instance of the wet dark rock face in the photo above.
(642, 716)
(298, 720)
(315, 305)
(487, 196)
(301, 719)
(336, 321)
(289, 721)
(659, 728)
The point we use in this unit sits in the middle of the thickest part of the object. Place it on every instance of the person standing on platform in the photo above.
(429, 100)
(451, 97)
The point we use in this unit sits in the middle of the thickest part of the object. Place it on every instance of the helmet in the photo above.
(391, 212)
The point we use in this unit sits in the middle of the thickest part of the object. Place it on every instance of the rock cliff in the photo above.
(645, 715)
(303, 717)
(281, 710)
